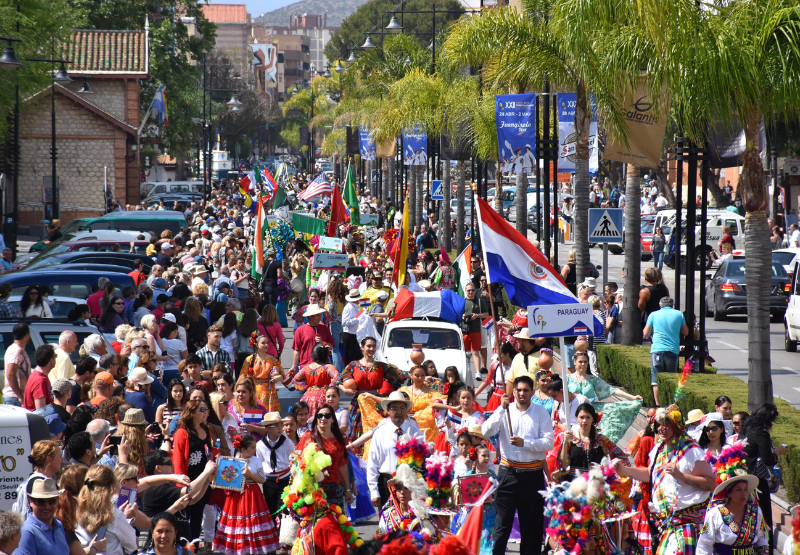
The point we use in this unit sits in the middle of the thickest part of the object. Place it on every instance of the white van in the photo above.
(19, 432)
(150, 188)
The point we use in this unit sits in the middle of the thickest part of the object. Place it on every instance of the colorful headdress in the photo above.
(418, 519)
(254, 339)
(671, 414)
(730, 467)
(572, 507)
(413, 452)
(439, 480)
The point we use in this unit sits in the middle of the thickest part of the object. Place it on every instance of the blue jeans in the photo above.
(662, 361)
(658, 259)
(336, 331)
(569, 352)
(12, 401)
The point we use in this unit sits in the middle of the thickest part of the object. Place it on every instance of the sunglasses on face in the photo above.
(44, 502)
(202, 409)
(713, 428)
(33, 293)
(325, 415)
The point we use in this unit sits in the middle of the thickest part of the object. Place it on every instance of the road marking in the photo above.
(791, 370)
(732, 346)
(796, 388)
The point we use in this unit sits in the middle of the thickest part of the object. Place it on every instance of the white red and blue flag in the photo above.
(445, 304)
(318, 186)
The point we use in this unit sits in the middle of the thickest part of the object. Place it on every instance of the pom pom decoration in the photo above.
(439, 481)
(680, 392)
(796, 534)
(413, 452)
(450, 545)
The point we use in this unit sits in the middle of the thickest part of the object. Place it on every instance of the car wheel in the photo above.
(788, 345)
(703, 261)
(719, 316)
(708, 310)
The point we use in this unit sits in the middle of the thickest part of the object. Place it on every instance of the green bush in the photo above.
(629, 368)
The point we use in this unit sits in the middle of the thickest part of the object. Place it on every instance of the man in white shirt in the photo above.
(794, 237)
(661, 202)
(524, 440)
(382, 461)
(528, 160)
(274, 450)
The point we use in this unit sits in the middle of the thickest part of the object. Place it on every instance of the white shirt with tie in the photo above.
(533, 425)
(282, 461)
(381, 458)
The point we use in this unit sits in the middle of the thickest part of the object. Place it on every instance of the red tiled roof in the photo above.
(107, 52)
(225, 13)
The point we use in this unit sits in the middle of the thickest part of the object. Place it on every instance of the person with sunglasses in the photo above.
(42, 532)
(33, 304)
(712, 436)
(329, 439)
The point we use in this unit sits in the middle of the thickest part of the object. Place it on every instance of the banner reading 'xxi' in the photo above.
(516, 132)
(567, 138)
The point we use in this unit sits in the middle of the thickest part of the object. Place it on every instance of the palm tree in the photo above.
(631, 318)
(460, 213)
(447, 190)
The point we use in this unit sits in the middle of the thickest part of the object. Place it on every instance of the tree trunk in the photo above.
(521, 202)
(420, 195)
(180, 169)
(412, 197)
(385, 165)
(498, 190)
(583, 119)
(460, 214)
(631, 318)
(757, 269)
(720, 200)
(447, 190)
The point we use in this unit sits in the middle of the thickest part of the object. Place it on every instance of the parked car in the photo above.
(46, 332)
(124, 259)
(139, 248)
(454, 208)
(788, 258)
(441, 341)
(170, 199)
(726, 292)
(67, 283)
(150, 188)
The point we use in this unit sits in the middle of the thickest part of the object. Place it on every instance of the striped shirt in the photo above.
(210, 360)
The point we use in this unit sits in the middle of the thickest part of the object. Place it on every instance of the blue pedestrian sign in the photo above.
(605, 225)
(437, 190)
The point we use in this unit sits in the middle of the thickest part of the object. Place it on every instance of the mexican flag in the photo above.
(257, 266)
(281, 205)
(463, 268)
(350, 197)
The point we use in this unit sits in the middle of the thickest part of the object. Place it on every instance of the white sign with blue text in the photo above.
(605, 225)
(559, 320)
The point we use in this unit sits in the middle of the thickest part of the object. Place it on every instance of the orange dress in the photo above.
(261, 370)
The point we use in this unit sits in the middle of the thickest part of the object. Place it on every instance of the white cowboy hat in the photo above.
(589, 282)
(354, 296)
(313, 310)
(395, 397)
(523, 334)
(752, 482)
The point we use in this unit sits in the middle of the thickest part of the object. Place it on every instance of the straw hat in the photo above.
(694, 416)
(752, 482)
(354, 296)
(313, 310)
(273, 418)
(523, 334)
(140, 376)
(395, 397)
(134, 417)
(476, 431)
(199, 269)
(46, 488)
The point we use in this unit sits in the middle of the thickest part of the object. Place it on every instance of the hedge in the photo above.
(629, 368)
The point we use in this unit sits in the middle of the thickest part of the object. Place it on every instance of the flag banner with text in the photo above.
(415, 147)
(567, 137)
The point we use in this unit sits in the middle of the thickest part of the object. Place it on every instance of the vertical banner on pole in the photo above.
(516, 132)
(365, 144)
(415, 147)
(567, 136)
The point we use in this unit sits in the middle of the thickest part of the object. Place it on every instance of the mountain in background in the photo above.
(337, 11)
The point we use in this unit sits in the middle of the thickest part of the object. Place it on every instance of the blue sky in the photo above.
(261, 6)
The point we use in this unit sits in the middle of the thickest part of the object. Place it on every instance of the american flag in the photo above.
(319, 186)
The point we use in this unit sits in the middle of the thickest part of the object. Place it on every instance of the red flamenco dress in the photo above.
(313, 382)
(245, 524)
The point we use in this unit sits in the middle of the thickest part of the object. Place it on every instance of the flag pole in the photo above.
(477, 208)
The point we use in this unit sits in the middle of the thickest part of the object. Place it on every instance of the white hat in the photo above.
(140, 376)
(424, 283)
(199, 269)
(313, 310)
(589, 282)
(382, 295)
(395, 397)
(216, 228)
(354, 296)
(523, 334)
(169, 317)
(166, 246)
(231, 226)
(694, 416)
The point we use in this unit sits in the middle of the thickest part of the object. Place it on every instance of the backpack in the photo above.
(615, 194)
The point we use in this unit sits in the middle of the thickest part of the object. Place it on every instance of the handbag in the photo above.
(762, 471)
(289, 529)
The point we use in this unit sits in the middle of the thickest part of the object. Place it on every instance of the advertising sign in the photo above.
(330, 261)
(646, 130)
(559, 320)
(15, 446)
(331, 243)
(516, 132)
(415, 147)
(365, 144)
(567, 137)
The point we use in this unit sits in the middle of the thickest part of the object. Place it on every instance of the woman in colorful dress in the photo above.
(245, 524)
(499, 369)
(422, 397)
(540, 396)
(364, 379)
(482, 467)
(265, 370)
(618, 415)
(733, 521)
(585, 446)
(326, 435)
(246, 410)
(314, 378)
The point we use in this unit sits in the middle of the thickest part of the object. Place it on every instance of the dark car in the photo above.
(139, 247)
(88, 266)
(125, 259)
(726, 292)
(65, 283)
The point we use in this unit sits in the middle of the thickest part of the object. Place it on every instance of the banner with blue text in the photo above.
(415, 147)
(366, 145)
(516, 132)
(567, 138)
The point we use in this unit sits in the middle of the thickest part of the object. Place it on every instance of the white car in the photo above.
(442, 342)
(454, 208)
(59, 306)
(788, 258)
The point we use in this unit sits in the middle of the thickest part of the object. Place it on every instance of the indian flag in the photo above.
(463, 269)
(257, 266)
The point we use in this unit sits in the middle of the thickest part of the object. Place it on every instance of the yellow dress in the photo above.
(260, 371)
(422, 411)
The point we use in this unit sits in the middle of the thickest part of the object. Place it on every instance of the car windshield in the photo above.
(430, 338)
(735, 269)
(454, 202)
(784, 258)
(648, 228)
(44, 262)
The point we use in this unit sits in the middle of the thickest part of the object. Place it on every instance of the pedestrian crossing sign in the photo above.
(605, 225)
(437, 190)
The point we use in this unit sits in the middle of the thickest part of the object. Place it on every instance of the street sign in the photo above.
(437, 190)
(605, 225)
(559, 320)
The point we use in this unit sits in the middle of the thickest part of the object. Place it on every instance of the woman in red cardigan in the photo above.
(191, 448)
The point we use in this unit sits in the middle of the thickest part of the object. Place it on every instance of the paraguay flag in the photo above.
(445, 304)
(253, 416)
(510, 259)
(270, 186)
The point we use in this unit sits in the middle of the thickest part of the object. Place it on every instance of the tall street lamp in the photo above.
(9, 61)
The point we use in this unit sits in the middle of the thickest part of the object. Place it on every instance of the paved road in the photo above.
(727, 340)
